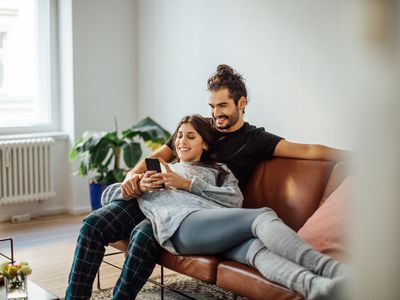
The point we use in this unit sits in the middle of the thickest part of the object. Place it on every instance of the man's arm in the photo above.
(130, 188)
(308, 151)
(164, 152)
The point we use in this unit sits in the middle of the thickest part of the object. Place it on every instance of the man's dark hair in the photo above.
(226, 77)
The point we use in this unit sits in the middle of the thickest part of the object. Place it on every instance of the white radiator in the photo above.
(25, 170)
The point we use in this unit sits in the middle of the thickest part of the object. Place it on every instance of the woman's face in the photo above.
(189, 144)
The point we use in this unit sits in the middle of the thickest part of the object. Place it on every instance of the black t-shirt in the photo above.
(242, 149)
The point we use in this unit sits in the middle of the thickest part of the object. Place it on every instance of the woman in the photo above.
(198, 213)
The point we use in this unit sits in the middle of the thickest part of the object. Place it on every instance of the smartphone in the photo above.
(153, 164)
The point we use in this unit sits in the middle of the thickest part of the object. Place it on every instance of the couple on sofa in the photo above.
(199, 211)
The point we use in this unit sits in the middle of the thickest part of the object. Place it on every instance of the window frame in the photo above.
(49, 61)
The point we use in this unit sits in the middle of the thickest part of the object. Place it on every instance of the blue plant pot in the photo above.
(96, 189)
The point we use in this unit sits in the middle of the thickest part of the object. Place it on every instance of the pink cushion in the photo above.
(326, 229)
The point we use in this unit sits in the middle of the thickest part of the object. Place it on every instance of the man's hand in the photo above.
(130, 187)
(173, 180)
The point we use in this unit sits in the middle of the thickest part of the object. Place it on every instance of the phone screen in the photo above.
(153, 164)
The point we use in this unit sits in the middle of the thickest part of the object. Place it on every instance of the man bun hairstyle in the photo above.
(227, 77)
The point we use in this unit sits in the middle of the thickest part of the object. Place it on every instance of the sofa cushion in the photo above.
(200, 267)
(326, 229)
(293, 188)
(245, 281)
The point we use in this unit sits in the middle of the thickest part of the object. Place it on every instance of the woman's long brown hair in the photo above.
(208, 133)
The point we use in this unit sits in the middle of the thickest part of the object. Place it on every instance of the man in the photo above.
(240, 145)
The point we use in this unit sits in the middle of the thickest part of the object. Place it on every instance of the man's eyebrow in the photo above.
(218, 104)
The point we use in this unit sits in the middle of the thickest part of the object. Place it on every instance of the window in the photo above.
(27, 87)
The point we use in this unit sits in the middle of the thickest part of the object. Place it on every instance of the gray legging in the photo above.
(211, 231)
(259, 238)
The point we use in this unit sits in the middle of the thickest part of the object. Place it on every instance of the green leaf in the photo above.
(119, 174)
(115, 175)
(108, 161)
(83, 169)
(98, 179)
(100, 152)
(148, 129)
(129, 133)
(132, 152)
(73, 154)
(92, 139)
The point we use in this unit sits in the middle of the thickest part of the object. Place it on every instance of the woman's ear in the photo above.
(205, 147)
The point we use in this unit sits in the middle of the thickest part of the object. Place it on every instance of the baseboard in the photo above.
(79, 210)
(50, 211)
(5, 218)
(53, 211)
(41, 213)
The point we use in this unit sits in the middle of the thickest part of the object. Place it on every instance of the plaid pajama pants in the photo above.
(117, 220)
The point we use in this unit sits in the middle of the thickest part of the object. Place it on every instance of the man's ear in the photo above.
(242, 103)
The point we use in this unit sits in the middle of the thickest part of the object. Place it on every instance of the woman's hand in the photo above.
(151, 181)
(173, 180)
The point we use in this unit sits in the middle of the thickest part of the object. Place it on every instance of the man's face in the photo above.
(224, 110)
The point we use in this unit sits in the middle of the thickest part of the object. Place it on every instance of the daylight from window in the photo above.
(21, 100)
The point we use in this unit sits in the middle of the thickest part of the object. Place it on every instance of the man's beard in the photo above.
(232, 120)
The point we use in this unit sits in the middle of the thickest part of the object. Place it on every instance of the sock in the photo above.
(282, 240)
(292, 276)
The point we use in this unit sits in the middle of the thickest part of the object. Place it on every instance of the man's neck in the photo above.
(235, 127)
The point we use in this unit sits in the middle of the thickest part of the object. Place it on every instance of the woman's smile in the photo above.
(188, 143)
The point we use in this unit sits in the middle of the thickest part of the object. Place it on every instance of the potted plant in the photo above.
(103, 153)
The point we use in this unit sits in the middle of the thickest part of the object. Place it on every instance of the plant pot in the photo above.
(96, 189)
(16, 288)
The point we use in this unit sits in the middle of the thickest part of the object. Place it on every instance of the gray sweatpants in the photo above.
(259, 238)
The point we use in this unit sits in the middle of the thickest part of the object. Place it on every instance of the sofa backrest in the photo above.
(292, 187)
(339, 173)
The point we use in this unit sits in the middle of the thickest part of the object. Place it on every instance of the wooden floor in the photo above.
(48, 243)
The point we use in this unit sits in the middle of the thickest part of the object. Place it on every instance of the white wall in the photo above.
(104, 71)
(294, 55)
(98, 75)
(104, 63)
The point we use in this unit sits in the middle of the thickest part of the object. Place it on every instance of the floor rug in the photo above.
(192, 287)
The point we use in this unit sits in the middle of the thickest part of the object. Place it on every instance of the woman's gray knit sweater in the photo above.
(167, 208)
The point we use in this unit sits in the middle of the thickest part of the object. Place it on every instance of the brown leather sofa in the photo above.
(294, 189)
